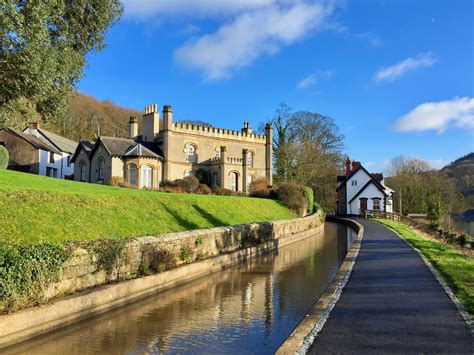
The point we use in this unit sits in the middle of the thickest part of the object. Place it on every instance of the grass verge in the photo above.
(456, 268)
(40, 209)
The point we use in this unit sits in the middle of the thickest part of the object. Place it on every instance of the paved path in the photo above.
(392, 304)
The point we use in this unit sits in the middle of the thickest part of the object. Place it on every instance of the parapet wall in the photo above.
(140, 256)
(214, 249)
(218, 132)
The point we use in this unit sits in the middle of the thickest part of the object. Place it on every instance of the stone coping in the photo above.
(302, 337)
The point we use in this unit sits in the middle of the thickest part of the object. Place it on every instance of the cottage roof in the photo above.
(61, 143)
(34, 141)
(121, 146)
(83, 144)
(345, 179)
(378, 186)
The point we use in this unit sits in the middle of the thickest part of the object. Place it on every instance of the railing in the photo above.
(379, 214)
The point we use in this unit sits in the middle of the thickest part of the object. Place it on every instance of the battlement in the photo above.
(208, 131)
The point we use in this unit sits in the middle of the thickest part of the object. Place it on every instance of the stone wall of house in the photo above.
(139, 256)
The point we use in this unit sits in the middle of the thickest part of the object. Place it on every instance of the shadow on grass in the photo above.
(182, 222)
(216, 222)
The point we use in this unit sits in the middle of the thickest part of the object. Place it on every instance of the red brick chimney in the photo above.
(34, 125)
(355, 165)
(348, 166)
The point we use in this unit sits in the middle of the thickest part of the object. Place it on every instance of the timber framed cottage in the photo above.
(168, 150)
(359, 191)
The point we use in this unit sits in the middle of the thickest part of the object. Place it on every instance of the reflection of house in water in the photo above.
(263, 298)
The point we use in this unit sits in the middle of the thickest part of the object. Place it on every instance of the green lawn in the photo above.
(35, 208)
(457, 269)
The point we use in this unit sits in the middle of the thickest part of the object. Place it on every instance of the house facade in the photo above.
(59, 164)
(359, 191)
(30, 154)
(168, 150)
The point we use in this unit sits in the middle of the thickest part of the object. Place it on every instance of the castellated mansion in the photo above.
(168, 150)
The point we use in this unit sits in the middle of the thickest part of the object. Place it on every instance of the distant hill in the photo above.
(461, 171)
(90, 117)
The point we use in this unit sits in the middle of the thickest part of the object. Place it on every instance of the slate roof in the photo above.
(121, 146)
(34, 141)
(138, 150)
(61, 143)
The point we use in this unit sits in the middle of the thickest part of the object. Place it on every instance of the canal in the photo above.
(249, 308)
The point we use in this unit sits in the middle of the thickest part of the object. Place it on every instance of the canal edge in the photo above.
(302, 337)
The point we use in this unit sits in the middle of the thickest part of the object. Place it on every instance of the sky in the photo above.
(395, 75)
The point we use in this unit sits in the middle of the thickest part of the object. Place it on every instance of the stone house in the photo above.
(44, 154)
(359, 191)
(168, 150)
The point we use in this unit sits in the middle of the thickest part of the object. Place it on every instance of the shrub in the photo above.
(4, 157)
(202, 176)
(203, 189)
(309, 193)
(189, 184)
(185, 254)
(120, 182)
(463, 239)
(259, 188)
(292, 195)
(217, 190)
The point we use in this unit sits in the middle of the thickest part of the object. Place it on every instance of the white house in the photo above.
(358, 191)
(56, 162)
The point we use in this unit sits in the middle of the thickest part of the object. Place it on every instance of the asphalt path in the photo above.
(392, 303)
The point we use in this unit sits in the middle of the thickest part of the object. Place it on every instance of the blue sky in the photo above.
(397, 76)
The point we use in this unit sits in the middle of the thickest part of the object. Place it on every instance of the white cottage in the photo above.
(359, 191)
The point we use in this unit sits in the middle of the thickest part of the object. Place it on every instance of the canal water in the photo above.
(250, 308)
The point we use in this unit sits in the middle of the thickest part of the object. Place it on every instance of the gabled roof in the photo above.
(382, 190)
(377, 183)
(62, 143)
(121, 146)
(83, 145)
(32, 140)
(138, 150)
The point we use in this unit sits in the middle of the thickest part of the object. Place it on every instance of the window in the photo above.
(51, 172)
(132, 174)
(190, 151)
(215, 179)
(51, 157)
(249, 181)
(147, 176)
(234, 181)
(188, 173)
(376, 204)
(68, 161)
(250, 159)
(354, 182)
(83, 171)
(218, 152)
(101, 174)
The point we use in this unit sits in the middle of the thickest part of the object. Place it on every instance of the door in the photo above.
(363, 205)
(234, 181)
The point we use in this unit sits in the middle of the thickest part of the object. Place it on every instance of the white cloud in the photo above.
(314, 78)
(438, 115)
(143, 9)
(250, 35)
(396, 71)
(368, 164)
(438, 163)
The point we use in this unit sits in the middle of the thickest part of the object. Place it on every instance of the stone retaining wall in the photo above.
(138, 256)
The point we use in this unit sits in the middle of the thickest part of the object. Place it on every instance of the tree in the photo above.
(43, 50)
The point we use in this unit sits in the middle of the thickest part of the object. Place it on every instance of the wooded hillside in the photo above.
(461, 171)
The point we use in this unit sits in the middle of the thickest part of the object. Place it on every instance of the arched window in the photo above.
(249, 181)
(132, 174)
(83, 171)
(101, 174)
(147, 176)
(215, 179)
(250, 159)
(234, 181)
(190, 152)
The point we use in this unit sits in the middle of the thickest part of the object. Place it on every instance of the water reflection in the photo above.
(250, 308)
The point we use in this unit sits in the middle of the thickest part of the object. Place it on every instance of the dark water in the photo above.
(250, 308)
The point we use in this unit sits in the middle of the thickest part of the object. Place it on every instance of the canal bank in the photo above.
(248, 308)
(226, 246)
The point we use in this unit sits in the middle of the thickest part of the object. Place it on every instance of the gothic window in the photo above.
(250, 159)
(190, 152)
(132, 174)
(83, 171)
(249, 181)
(147, 176)
(234, 181)
(218, 152)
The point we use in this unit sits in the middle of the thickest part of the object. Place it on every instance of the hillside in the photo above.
(461, 171)
(35, 208)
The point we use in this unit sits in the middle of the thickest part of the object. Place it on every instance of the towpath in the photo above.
(392, 304)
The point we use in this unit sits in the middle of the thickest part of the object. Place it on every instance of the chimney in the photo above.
(355, 165)
(167, 117)
(151, 123)
(348, 166)
(133, 128)
(34, 125)
(247, 128)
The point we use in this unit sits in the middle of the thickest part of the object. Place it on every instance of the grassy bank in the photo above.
(35, 209)
(456, 268)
